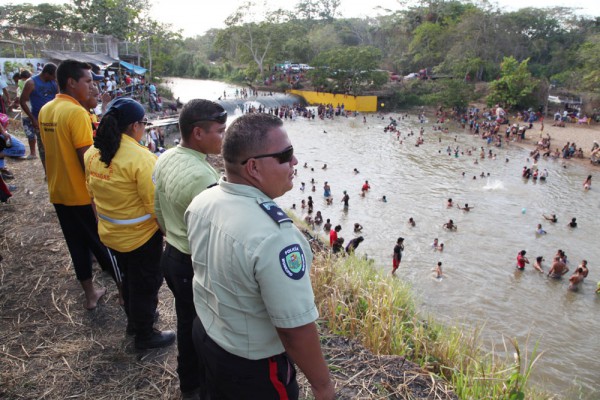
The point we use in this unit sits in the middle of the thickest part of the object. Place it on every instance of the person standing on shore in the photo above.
(248, 265)
(180, 174)
(66, 131)
(38, 91)
(118, 171)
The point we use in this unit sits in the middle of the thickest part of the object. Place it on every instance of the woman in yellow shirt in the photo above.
(119, 178)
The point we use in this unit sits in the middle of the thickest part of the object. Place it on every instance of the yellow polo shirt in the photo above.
(65, 127)
(123, 194)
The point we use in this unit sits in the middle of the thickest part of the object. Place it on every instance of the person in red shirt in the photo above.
(522, 260)
(365, 187)
(333, 234)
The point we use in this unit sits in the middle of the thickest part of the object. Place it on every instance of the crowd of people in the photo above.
(487, 130)
(146, 218)
(119, 202)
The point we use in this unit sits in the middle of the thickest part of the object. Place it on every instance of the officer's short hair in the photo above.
(194, 113)
(246, 136)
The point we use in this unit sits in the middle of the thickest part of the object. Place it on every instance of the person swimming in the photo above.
(465, 208)
(450, 225)
(587, 185)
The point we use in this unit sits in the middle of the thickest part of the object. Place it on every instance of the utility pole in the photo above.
(149, 56)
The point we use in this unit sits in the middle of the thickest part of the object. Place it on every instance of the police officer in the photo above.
(180, 174)
(252, 289)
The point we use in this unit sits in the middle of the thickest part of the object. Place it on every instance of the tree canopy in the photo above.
(469, 42)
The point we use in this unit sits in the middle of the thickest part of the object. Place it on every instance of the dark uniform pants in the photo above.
(142, 278)
(178, 271)
(80, 229)
(231, 377)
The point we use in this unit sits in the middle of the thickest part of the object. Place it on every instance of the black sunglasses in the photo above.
(220, 117)
(283, 157)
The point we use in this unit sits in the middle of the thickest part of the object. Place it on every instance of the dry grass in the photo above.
(51, 348)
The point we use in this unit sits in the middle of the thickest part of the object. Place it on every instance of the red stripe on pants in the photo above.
(277, 384)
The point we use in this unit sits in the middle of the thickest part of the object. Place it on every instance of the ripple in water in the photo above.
(493, 184)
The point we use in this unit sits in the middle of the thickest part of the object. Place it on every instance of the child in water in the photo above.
(438, 270)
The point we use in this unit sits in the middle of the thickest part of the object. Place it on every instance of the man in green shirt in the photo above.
(180, 174)
(251, 284)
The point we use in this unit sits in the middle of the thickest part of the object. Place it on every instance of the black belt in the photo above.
(175, 254)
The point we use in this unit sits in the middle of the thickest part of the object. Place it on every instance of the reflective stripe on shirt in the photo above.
(125, 221)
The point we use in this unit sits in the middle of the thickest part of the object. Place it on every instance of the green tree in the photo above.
(515, 87)
(589, 56)
(428, 45)
(119, 18)
(452, 93)
(318, 9)
(245, 40)
(351, 69)
(44, 15)
(473, 52)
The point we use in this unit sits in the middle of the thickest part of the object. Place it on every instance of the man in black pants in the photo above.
(67, 133)
(180, 174)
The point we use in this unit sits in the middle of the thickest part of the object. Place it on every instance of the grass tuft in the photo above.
(357, 300)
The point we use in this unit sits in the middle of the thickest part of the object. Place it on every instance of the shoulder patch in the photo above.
(293, 262)
(276, 213)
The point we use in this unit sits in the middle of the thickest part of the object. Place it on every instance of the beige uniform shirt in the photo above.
(251, 270)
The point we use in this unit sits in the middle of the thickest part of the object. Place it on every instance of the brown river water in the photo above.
(480, 287)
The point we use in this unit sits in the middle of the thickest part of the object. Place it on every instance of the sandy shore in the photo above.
(583, 135)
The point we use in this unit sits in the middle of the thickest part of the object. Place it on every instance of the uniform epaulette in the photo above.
(276, 213)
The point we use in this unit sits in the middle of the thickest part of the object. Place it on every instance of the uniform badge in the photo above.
(293, 262)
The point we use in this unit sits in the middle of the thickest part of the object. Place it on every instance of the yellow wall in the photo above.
(351, 103)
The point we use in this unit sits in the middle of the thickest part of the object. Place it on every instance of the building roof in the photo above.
(95, 58)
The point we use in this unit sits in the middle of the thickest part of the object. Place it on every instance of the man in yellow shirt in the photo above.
(66, 132)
